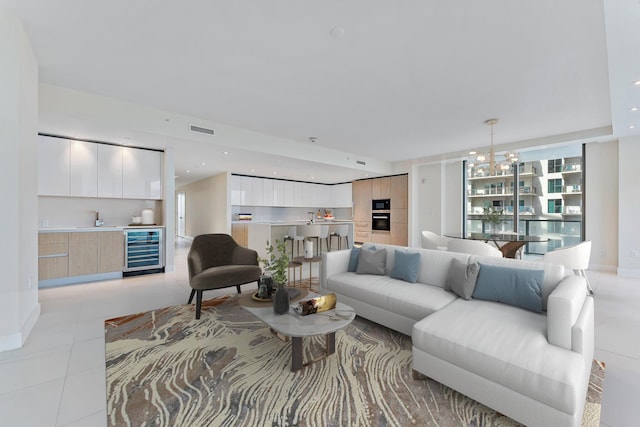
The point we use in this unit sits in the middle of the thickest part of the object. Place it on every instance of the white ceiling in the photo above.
(385, 81)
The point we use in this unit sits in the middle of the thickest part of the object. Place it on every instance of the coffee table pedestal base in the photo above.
(296, 351)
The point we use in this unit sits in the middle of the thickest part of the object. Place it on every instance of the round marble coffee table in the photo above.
(297, 327)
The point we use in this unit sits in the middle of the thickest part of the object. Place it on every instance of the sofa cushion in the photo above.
(514, 286)
(553, 273)
(353, 259)
(372, 261)
(225, 275)
(413, 300)
(434, 264)
(505, 344)
(406, 266)
(461, 279)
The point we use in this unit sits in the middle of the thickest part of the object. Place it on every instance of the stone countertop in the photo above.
(85, 229)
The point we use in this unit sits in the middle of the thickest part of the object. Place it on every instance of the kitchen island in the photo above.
(255, 234)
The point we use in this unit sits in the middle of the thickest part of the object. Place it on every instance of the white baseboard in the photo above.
(17, 339)
(628, 272)
(605, 268)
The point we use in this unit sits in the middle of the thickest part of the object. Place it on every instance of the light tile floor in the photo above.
(58, 377)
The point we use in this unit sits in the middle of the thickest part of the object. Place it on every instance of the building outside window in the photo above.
(555, 186)
(550, 188)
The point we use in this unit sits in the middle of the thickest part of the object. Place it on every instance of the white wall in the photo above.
(601, 210)
(19, 307)
(207, 206)
(436, 199)
(169, 208)
(628, 207)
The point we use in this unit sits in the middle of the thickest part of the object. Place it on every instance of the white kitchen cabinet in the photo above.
(109, 171)
(298, 194)
(247, 190)
(53, 166)
(289, 193)
(278, 193)
(268, 195)
(237, 195)
(341, 196)
(141, 174)
(257, 196)
(83, 169)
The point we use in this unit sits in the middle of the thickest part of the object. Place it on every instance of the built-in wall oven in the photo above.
(381, 221)
(144, 251)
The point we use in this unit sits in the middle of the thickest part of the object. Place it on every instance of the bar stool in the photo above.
(308, 232)
(339, 231)
(324, 235)
(292, 235)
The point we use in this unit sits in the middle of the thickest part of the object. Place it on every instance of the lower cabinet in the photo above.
(83, 253)
(240, 233)
(53, 255)
(380, 237)
(399, 234)
(71, 254)
(110, 251)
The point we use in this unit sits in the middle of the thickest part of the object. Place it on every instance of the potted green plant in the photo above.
(277, 263)
(493, 216)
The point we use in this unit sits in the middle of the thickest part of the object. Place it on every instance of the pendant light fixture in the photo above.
(510, 157)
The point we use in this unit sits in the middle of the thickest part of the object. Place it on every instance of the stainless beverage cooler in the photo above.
(144, 251)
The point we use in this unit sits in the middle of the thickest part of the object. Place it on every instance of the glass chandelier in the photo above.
(504, 165)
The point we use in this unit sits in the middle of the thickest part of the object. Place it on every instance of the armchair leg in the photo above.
(198, 304)
(193, 292)
(238, 287)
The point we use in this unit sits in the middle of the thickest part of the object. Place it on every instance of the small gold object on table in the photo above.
(316, 305)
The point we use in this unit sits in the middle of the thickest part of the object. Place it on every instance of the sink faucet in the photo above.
(99, 222)
(313, 215)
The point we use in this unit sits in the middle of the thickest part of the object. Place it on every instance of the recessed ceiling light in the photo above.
(275, 173)
(226, 152)
(202, 164)
(633, 108)
(188, 171)
(632, 127)
(313, 139)
(337, 32)
(637, 83)
(253, 170)
(473, 153)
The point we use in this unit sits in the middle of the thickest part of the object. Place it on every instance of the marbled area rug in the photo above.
(165, 368)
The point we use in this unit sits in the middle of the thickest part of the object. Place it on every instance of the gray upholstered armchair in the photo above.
(216, 261)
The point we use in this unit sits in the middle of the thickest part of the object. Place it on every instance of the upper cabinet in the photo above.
(86, 169)
(83, 171)
(399, 190)
(53, 166)
(141, 174)
(109, 171)
(362, 200)
(254, 191)
(381, 188)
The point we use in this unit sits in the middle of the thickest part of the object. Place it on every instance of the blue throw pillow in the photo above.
(353, 260)
(514, 286)
(406, 266)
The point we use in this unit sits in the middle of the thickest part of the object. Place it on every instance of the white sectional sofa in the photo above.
(533, 367)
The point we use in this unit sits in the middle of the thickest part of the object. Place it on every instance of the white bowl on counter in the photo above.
(136, 220)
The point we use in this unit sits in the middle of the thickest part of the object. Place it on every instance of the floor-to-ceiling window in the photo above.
(549, 199)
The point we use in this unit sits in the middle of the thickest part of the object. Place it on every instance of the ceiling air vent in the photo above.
(201, 130)
(361, 162)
